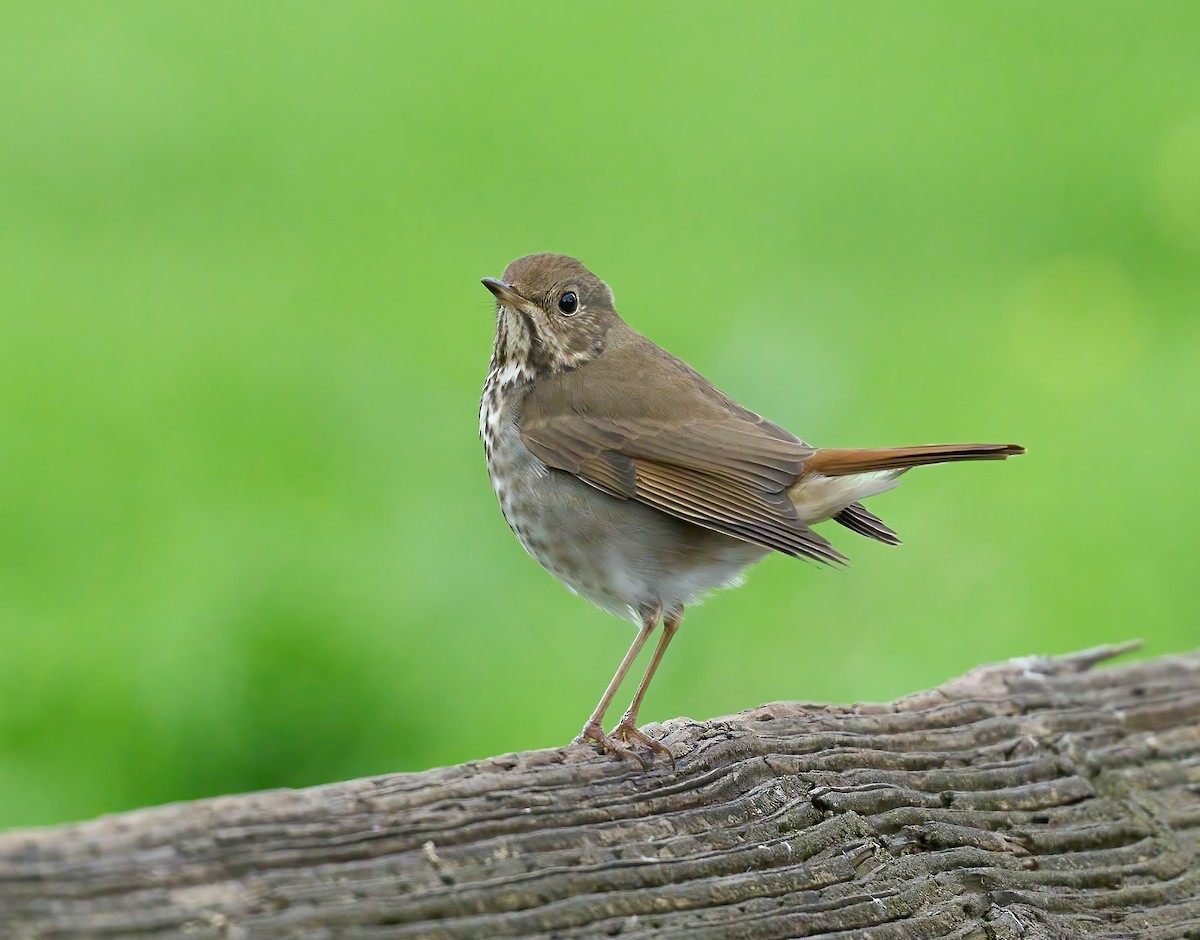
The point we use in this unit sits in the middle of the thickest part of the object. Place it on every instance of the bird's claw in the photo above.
(592, 733)
(628, 732)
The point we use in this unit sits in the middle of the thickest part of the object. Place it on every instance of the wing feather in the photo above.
(614, 422)
(736, 486)
(705, 502)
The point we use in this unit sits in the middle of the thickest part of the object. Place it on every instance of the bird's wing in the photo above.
(721, 467)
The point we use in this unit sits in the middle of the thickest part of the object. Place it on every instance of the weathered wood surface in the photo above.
(1039, 798)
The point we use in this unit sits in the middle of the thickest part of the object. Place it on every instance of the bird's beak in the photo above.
(504, 293)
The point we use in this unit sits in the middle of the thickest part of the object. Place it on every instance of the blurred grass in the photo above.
(246, 536)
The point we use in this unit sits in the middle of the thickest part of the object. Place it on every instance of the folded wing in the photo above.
(719, 466)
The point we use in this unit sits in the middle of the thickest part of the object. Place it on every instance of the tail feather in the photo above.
(857, 518)
(835, 480)
(834, 462)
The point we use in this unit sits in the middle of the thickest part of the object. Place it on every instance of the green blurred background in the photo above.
(246, 534)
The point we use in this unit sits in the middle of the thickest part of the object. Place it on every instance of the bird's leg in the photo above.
(594, 730)
(627, 727)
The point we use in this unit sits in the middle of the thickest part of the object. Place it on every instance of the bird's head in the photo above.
(553, 314)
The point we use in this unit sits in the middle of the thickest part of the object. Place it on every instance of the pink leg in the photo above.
(627, 727)
(593, 730)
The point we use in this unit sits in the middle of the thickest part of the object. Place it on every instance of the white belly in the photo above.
(620, 554)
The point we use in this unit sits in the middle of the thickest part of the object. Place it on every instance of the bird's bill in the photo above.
(504, 293)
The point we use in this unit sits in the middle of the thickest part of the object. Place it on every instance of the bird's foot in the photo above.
(628, 732)
(592, 733)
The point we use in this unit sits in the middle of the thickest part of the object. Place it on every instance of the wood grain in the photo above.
(1037, 798)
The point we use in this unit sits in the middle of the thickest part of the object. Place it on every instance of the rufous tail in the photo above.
(836, 462)
(835, 480)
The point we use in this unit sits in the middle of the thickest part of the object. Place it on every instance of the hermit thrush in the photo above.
(640, 485)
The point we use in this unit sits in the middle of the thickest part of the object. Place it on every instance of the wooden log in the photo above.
(1039, 798)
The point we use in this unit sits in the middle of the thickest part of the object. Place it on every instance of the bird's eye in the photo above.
(568, 303)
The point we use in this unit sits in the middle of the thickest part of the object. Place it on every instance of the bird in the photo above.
(639, 484)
